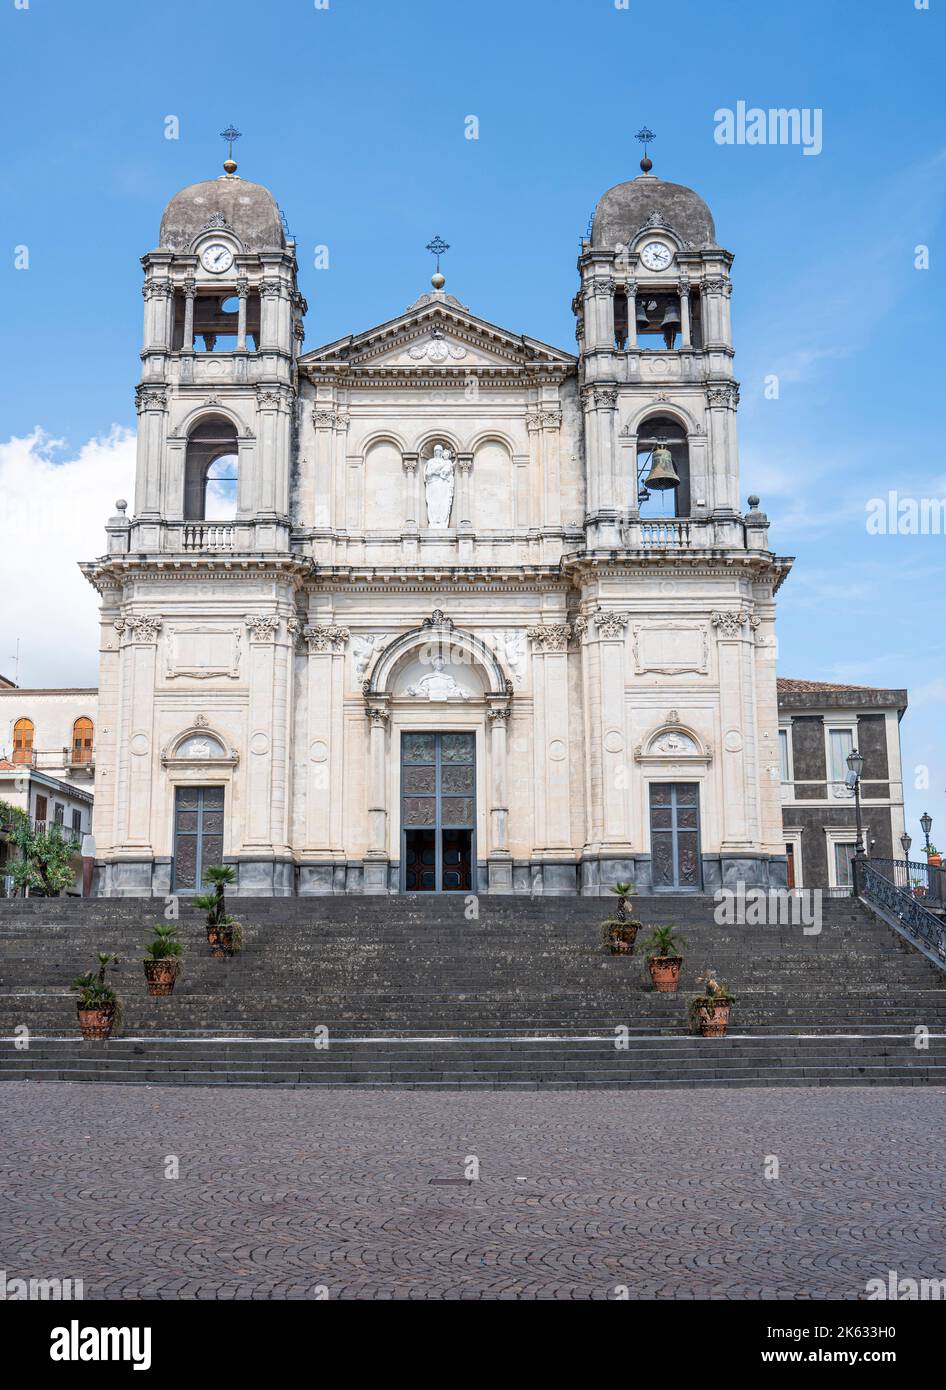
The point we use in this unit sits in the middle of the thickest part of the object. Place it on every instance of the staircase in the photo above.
(414, 995)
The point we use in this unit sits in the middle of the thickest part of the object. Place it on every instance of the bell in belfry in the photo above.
(670, 324)
(662, 472)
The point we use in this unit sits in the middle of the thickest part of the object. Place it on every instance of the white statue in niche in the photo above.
(439, 685)
(438, 482)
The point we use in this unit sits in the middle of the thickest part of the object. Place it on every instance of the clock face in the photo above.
(216, 257)
(656, 256)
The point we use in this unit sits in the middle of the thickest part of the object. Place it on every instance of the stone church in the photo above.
(437, 606)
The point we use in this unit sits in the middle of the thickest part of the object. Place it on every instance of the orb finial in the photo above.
(230, 134)
(646, 137)
(436, 248)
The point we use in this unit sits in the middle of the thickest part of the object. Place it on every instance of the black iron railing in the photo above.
(923, 881)
(900, 906)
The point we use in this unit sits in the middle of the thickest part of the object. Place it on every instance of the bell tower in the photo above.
(199, 585)
(676, 581)
(222, 331)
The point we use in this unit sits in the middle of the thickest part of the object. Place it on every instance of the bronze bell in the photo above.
(640, 317)
(662, 472)
(670, 324)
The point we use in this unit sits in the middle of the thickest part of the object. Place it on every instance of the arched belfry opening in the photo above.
(657, 493)
(211, 471)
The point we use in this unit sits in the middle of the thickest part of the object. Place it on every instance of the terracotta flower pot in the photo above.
(713, 1019)
(96, 1024)
(621, 938)
(665, 973)
(161, 975)
(935, 861)
(221, 942)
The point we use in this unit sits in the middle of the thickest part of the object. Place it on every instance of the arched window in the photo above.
(23, 741)
(654, 432)
(211, 471)
(82, 731)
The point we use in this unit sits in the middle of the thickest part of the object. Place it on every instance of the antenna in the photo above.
(16, 665)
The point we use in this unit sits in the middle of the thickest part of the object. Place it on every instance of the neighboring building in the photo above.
(417, 609)
(820, 723)
(47, 801)
(51, 731)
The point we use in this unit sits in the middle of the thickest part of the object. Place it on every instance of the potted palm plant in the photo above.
(224, 933)
(163, 963)
(620, 930)
(98, 1006)
(664, 959)
(710, 1011)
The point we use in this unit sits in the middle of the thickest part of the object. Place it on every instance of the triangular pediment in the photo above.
(437, 332)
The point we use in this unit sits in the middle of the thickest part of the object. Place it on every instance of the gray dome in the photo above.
(229, 202)
(626, 207)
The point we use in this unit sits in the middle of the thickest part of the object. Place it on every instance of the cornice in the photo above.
(703, 563)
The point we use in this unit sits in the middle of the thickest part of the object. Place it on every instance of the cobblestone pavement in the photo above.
(281, 1192)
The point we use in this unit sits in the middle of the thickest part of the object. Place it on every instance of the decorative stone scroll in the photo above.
(263, 626)
(730, 623)
(553, 637)
(141, 628)
(323, 639)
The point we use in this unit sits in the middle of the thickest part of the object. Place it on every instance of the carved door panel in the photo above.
(438, 812)
(675, 835)
(198, 836)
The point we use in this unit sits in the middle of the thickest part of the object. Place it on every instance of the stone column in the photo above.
(135, 761)
(411, 462)
(243, 290)
(685, 332)
(735, 633)
(376, 858)
(723, 462)
(552, 735)
(190, 294)
(464, 499)
(151, 403)
(259, 828)
(631, 314)
(274, 405)
(499, 858)
(604, 652)
(323, 785)
(271, 297)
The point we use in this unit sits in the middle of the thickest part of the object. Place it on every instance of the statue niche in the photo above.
(439, 472)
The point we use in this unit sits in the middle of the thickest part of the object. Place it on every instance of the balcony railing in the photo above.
(664, 534)
(55, 760)
(71, 836)
(207, 535)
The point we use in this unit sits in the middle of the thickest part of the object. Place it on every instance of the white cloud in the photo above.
(55, 505)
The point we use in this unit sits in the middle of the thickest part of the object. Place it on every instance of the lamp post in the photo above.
(906, 842)
(926, 825)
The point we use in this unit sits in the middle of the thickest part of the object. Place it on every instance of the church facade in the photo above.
(437, 606)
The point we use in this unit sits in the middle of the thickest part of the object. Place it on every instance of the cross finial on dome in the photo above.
(437, 248)
(230, 134)
(646, 137)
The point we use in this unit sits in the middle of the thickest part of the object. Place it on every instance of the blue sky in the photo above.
(354, 116)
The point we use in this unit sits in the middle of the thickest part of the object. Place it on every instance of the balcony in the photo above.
(206, 536)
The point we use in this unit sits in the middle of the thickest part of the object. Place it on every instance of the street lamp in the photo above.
(906, 842)
(855, 762)
(926, 825)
